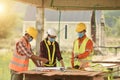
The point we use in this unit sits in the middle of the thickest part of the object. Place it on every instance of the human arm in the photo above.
(42, 52)
(59, 56)
(72, 60)
(34, 57)
(62, 63)
(72, 56)
(88, 50)
(23, 50)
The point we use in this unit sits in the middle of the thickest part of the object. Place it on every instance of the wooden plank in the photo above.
(76, 4)
(98, 78)
(61, 77)
(115, 62)
(72, 72)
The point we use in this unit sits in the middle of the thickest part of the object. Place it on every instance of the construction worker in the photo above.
(82, 48)
(49, 49)
(22, 54)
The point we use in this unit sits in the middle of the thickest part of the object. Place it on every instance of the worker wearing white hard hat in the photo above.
(52, 33)
(49, 49)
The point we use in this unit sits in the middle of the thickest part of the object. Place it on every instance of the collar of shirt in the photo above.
(25, 39)
(49, 43)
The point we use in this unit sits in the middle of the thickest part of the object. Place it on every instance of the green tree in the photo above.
(108, 31)
(112, 19)
(7, 24)
(8, 18)
(116, 28)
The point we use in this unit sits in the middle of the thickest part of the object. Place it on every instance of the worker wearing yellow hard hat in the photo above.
(82, 48)
(80, 27)
(23, 53)
(32, 31)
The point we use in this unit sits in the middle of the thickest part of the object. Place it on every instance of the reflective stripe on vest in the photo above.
(20, 62)
(82, 47)
(80, 50)
(51, 60)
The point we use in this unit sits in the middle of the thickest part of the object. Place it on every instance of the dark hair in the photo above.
(84, 30)
(48, 34)
(26, 34)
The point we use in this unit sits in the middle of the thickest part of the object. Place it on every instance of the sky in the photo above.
(20, 8)
(29, 13)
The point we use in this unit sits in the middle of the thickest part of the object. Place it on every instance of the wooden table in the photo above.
(62, 75)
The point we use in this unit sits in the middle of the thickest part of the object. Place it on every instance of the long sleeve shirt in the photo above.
(44, 51)
(22, 49)
(88, 49)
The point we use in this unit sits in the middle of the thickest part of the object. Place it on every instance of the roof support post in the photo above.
(39, 25)
(102, 24)
(93, 26)
(59, 27)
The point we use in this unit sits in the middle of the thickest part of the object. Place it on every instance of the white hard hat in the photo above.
(52, 32)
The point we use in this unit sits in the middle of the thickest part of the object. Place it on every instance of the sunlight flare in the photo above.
(2, 8)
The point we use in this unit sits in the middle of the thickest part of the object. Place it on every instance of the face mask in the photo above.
(30, 39)
(51, 39)
(80, 35)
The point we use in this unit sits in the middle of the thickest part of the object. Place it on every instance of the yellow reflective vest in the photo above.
(80, 50)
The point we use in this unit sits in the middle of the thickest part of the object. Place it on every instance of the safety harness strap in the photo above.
(51, 60)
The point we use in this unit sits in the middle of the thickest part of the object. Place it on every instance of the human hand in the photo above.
(44, 60)
(76, 56)
(83, 65)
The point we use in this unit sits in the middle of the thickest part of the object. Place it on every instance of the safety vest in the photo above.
(51, 59)
(79, 50)
(20, 62)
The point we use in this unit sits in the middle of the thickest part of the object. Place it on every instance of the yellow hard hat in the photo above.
(32, 32)
(80, 27)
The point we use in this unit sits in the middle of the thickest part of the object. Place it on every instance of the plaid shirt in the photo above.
(22, 49)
